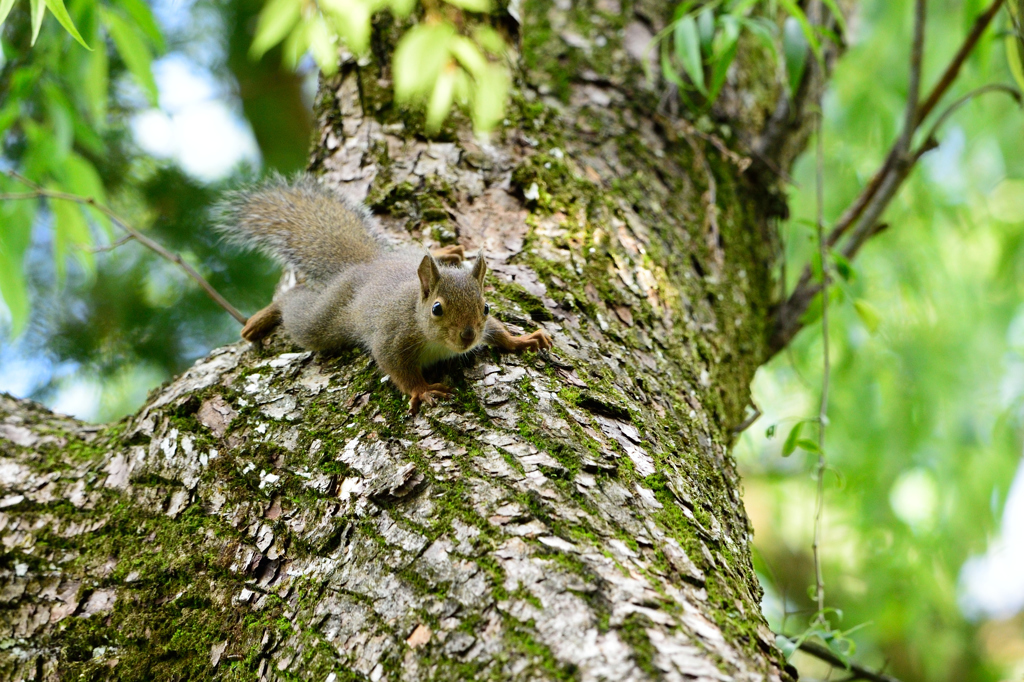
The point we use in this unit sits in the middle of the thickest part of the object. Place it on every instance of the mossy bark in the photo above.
(274, 514)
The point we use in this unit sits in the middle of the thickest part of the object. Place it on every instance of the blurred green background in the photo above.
(924, 525)
(924, 440)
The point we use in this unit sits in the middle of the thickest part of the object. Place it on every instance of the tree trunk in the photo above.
(275, 514)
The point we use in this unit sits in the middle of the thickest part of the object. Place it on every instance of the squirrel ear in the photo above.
(480, 268)
(429, 274)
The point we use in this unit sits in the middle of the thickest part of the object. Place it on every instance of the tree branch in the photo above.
(38, 192)
(859, 672)
(869, 205)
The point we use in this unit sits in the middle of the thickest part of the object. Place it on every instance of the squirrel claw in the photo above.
(538, 340)
(427, 395)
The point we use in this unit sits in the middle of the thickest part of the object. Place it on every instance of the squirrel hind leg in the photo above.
(450, 255)
(262, 323)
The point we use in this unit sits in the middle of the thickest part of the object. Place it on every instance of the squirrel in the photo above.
(408, 307)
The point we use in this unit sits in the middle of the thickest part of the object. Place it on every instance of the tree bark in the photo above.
(275, 514)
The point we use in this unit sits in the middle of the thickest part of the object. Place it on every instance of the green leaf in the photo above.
(724, 52)
(17, 218)
(403, 8)
(489, 98)
(134, 51)
(70, 230)
(468, 55)
(96, 84)
(276, 21)
(868, 314)
(419, 57)
(794, 435)
(140, 14)
(763, 30)
(351, 19)
(843, 266)
(5, 9)
(37, 8)
(687, 47)
(323, 46)
(80, 177)
(706, 29)
(295, 45)
(441, 99)
(1015, 58)
(794, 48)
(804, 24)
(770, 431)
(786, 646)
(808, 445)
(490, 40)
(58, 10)
(833, 7)
(472, 5)
(669, 70)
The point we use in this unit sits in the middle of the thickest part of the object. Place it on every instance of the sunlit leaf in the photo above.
(295, 45)
(687, 47)
(789, 446)
(323, 47)
(96, 85)
(134, 51)
(489, 98)
(1015, 58)
(5, 9)
(489, 39)
(37, 8)
(275, 22)
(808, 445)
(472, 5)
(351, 19)
(140, 14)
(441, 99)
(464, 50)
(58, 10)
(418, 59)
(868, 314)
(402, 7)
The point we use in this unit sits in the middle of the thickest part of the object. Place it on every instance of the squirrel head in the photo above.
(451, 309)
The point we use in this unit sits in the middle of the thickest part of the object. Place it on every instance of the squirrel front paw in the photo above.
(428, 393)
(538, 340)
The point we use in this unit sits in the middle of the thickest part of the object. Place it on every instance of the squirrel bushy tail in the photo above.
(303, 224)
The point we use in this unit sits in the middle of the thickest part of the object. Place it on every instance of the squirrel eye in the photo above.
(436, 309)
(487, 309)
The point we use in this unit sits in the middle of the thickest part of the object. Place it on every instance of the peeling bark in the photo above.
(275, 514)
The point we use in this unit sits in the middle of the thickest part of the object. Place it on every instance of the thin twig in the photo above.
(952, 108)
(876, 195)
(858, 672)
(110, 247)
(819, 500)
(41, 192)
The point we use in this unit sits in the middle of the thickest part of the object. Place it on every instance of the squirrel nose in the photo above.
(467, 334)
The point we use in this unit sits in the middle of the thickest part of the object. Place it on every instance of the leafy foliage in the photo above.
(699, 45)
(435, 63)
(925, 398)
(54, 123)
